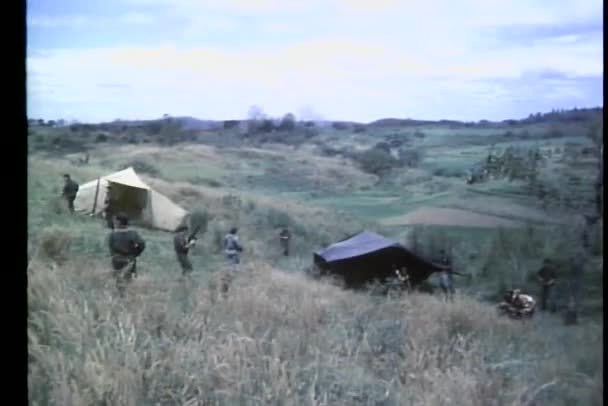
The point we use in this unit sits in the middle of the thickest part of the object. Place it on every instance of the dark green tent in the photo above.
(368, 257)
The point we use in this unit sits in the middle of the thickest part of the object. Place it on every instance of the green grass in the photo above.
(280, 338)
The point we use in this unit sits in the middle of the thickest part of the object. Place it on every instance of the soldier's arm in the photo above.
(140, 243)
(111, 243)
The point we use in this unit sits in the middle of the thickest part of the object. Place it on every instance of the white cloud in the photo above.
(402, 58)
(87, 21)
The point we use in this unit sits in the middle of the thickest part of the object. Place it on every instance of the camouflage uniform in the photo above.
(182, 244)
(285, 236)
(232, 248)
(546, 276)
(125, 246)
(70, 190)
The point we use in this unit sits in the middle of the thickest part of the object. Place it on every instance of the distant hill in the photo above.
(191, 123)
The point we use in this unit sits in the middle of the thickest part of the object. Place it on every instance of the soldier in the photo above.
(404, 277)
(446, 277)
(232, 248)
(517, 304)
(577, 264)
(109, 207)
(125, 246)
(546, 277)
(284, 237)
(70, 190)
(182, 242)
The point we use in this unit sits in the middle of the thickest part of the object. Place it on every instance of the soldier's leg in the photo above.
(551, 300)
(185, 264)
(121, 284)
(543, 298)
(110, 221)
(71, 204)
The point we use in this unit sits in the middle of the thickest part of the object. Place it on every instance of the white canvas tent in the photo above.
(140, 202)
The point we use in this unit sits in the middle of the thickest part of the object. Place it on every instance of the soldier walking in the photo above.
(446, 276)
(546, 277)
(182, 242)
(232, 249)
(70, 190)
(285, 237)
(125, 246)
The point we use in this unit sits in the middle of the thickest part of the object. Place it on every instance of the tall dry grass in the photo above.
(278, 338)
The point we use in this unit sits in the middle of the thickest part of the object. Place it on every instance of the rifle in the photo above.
(193, 234)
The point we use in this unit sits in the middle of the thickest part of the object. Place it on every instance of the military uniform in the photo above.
(446, 276)
(125, 246)
(404, 278)
(232, 248)
(70, 190)
(517, 304)
(547, 276)
(182, 244)
(285, 236)
(109, 209)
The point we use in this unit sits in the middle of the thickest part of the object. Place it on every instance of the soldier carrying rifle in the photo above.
(125, 246)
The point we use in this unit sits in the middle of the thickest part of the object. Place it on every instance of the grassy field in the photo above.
(279, 337)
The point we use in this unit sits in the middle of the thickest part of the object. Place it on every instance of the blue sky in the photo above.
(333, 59)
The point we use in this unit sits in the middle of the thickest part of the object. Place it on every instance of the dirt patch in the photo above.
(450, 217)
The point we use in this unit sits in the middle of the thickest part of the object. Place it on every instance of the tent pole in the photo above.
(96, 195)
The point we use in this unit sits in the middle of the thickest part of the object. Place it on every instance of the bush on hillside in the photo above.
(339, 126)
(410, 157)
(359, 128)
(101, 137)
(375, 161)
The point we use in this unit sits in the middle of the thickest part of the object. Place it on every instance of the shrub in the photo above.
(359, 128)
(419, 134)
(101, 138)
(375, 161)
(54, 242)
(410, 157)
(228, 124)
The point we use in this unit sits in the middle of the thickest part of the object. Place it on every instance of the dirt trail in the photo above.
(450, 217)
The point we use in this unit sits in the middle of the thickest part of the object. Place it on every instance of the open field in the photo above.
(282, 338)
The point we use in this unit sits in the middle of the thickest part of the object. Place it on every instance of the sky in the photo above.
(319, 59)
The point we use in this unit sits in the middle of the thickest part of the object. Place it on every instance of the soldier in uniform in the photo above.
(182, 242)
(446, 277)
(109, 207)
(125, 246)
(546, 277)
(404, 277)
(285, 237)
(517, 304)
(232, 248)
(70, 190)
